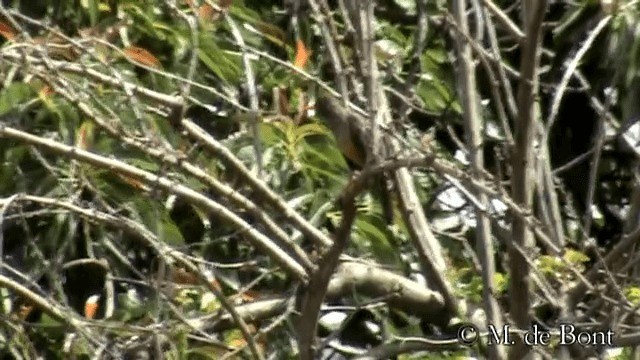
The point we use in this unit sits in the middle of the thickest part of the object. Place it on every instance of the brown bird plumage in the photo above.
(348, 129)
(352, 134)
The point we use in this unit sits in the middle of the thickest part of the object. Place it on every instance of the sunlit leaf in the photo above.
(387, 50)
(501, 282)
(310, 129)
(575, 257)
(550, 264)
(632, 294)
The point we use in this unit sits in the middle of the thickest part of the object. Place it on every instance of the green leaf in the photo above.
(437, 55)
(303, 131)
(501, 282)
(205, 353)
(633, 294)
(372, 236)
(575, 257)
(550, 264)
(409, 6)
(51, 326)
(392, 32)
(14, 96)
(157, 219)
(129, 308)
(110, 185)
(223, 64)
(93, 12)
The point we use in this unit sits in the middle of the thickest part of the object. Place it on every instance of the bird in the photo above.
(352, 134)
(349, 129)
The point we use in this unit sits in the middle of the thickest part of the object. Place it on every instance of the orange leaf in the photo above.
(142, 56)
(302, 55)
(7, 31)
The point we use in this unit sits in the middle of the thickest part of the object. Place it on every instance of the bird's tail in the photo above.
(383, 190)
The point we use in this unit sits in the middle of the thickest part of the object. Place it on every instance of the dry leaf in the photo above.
(181, 276)
(109, 33)
(206, 12)
(283, 101)
(58, 47)
(249, 295)
(302, 55)
(133, 182)
(303, 109)
(7, 31)
(210, 13)
(24, 311)
(85, 136)
(225, 4)
(82, 140)
(142, 56)
(216, 284)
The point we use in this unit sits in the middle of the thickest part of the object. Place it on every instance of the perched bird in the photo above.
(349, 129)
(352, 136)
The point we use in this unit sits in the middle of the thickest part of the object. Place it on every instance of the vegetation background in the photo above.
(167, 191)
